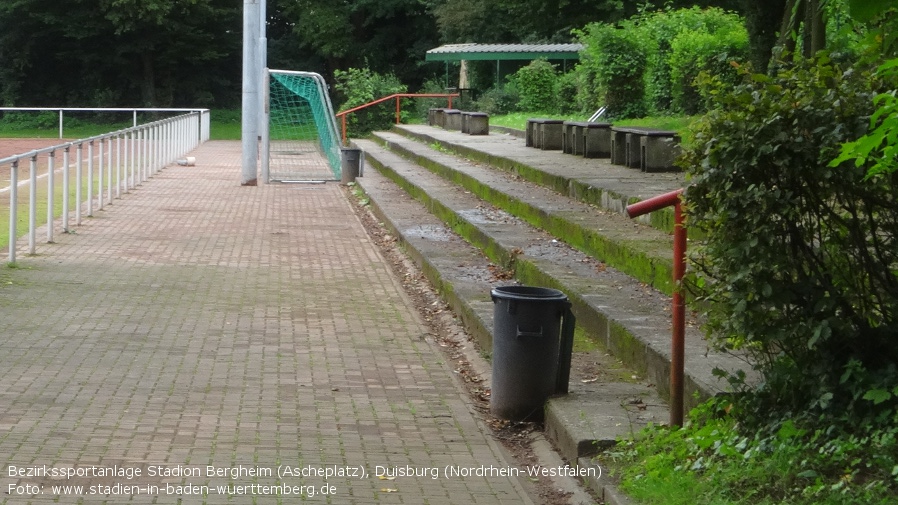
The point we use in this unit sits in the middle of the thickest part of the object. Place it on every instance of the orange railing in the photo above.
(398, 97)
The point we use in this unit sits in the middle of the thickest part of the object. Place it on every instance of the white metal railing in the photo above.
(133, 110)
(112, 163)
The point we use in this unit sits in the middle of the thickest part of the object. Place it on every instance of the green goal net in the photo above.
(301, 142)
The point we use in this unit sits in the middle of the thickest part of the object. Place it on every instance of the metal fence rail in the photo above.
(61, 111)
(105, 165)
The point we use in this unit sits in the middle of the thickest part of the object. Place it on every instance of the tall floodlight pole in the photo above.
(263, 88)
(251, 72)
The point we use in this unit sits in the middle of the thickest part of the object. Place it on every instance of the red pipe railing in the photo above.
(398, 97)
(678, 337)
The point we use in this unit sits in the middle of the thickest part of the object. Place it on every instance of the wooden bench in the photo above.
(475, 123)
(587, 139)
(545, 134)
(647, 149)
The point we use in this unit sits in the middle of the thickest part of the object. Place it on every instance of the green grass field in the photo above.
(22, 212)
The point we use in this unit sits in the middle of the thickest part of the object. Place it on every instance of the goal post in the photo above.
(299, 134)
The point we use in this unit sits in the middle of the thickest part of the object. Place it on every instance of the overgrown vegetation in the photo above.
(357, 87)
(799, 269)
(648, 63)
(639, 66)
(716, 460)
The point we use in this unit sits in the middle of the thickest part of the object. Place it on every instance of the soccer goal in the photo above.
(299, 136)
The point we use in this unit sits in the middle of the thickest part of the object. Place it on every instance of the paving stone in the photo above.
(196, 323)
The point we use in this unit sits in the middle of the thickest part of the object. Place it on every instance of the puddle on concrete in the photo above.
(482, 215)
(430, 232)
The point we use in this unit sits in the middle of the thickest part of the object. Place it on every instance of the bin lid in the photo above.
(527, 293)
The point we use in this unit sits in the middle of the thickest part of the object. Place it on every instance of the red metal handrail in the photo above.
(678, 337)
(396, 96)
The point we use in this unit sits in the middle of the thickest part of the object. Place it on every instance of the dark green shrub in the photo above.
(31, 120)
(694, 52)
(617, 58)
(535, 85)
(672, 62)
(358, 86)
(497, 101)
(799, 264)
(586, 97)
(566, 93)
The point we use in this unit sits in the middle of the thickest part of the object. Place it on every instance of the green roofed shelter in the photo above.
(502, 52)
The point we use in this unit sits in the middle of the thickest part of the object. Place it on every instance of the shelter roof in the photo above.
(458, 52)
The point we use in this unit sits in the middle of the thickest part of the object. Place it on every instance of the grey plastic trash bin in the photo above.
(533, 334)
(350, 164)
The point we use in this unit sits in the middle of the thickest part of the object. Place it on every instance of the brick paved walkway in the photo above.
(197, 327)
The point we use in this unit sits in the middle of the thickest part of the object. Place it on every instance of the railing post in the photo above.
(133, 164)
(398, 113)
(118, 166)
(678, 339)
(32, 204)
(101, 158)
(90, 179)
(51, 189)
(109, 171)
(141, 156)
(60, 124)
(65, 189)
(13, 209)
(78, 176)
(678, 308)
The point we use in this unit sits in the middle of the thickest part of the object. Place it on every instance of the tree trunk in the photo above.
(789, 24)
(762, 18)
(807, 47)
(817, 26)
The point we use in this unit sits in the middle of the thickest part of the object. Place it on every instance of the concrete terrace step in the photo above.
(595, 413)
(629, 318)
(595, 181)
(643, 252)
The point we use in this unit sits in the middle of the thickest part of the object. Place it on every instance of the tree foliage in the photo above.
(389, 36)
(112, 52)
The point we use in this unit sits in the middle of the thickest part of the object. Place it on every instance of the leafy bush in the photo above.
(535, 85)
(357, 87)
(30, 120)
(617, 58)
(657, 54)
(694, 52)
(879, 147)
(498, 101)
(799, 264)
(683, 42)
(566, 93)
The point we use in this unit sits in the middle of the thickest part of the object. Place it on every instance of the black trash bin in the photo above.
(350, 164)
(533, 335)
